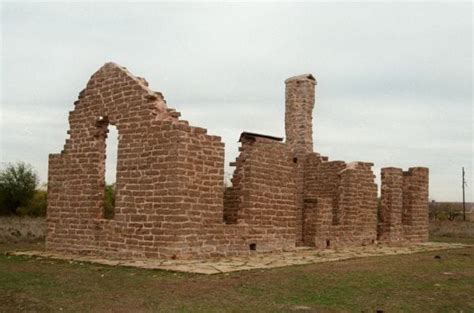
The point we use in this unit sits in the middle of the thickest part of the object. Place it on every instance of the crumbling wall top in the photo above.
(303, 77)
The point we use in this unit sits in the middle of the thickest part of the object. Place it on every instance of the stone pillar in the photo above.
(415, 218)
(391, 206)
(299, 99)
(404, 207)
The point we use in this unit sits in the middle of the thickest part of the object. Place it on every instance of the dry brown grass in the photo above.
(458, 229)
(22, 229)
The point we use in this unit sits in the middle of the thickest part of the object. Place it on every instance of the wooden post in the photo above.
(463, 195)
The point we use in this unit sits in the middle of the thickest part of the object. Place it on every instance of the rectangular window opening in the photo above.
(110, 175)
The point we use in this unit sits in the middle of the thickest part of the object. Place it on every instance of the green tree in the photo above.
(17, 187)
(109, 201)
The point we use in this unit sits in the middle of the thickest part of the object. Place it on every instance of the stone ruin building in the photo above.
(170, 196)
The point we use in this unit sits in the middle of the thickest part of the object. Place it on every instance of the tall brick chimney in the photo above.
(299, 97)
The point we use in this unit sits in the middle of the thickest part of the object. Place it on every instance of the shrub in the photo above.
(37, 205)
(17, 187)
(109, 201)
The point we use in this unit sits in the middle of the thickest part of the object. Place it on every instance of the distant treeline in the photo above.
(21, 194)
(449, 210)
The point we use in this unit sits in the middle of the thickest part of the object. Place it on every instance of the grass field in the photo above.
(402, 283)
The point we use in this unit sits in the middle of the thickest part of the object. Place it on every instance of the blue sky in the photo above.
(394, 79)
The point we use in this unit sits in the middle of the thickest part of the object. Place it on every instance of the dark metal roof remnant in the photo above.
(253, 135)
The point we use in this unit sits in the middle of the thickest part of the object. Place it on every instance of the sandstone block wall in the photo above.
(347, 200)
(265, 189)
(268, 187)
(233, 195)
(169, 175)
(318, 222)
(170, 184)
(170, 196)
(322, 180)
(404, 205)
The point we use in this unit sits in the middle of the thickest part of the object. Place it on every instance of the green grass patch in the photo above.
(402, 283)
